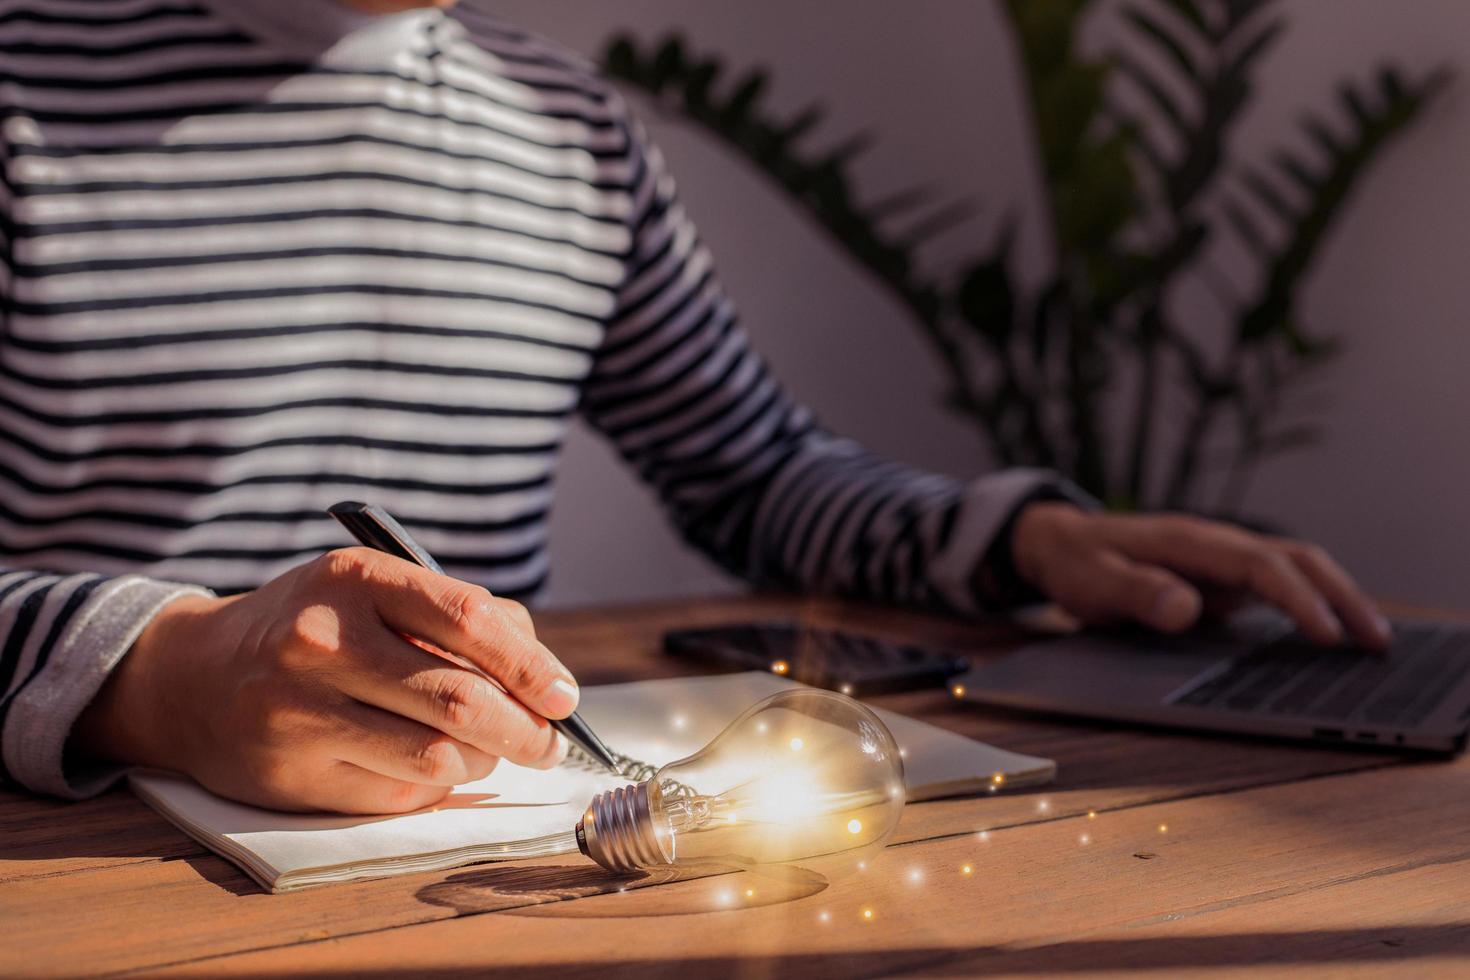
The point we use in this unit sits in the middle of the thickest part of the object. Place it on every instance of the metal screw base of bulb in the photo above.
(617, 831)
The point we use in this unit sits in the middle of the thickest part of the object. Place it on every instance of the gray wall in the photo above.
(936, 80)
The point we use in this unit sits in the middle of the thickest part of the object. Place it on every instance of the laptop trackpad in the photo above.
(1088, 668)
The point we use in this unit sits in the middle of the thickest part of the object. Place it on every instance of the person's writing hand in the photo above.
(305, 695)
(1164, 570)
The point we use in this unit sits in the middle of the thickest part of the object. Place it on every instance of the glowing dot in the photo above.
(762, 727)
(678, 721)
(780, 667)
(1091, 814)
(1085, 839)
(854, 826)
(966, 869)
(958, 690)
(750, 893)
(862, 866)
(998, 778)
(916, 875)
(1163, 828)
(733, 818)
(824, 916)
(984, 835)
(1043, 806)
(796, 744)
(867, 915)
(622, 889)
(726, 897)
(846, 689)
(903, 753)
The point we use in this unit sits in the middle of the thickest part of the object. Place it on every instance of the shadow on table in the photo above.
(545, 892)
(1388, 946)
(114, 826)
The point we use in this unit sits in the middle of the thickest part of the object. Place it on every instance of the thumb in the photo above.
(1149, 594)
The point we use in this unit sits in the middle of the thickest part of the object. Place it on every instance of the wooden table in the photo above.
(1153, 851)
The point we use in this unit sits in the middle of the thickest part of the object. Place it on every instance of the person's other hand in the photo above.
(1166, 570)
(328, 689)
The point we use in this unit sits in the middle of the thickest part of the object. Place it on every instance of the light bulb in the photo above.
(801, 774)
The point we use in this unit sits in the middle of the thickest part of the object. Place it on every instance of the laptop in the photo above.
(1255, 676)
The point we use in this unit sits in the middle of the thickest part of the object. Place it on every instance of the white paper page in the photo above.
(662, 720)
(655, 721)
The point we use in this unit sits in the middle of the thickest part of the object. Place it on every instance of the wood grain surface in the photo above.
(1153, 852)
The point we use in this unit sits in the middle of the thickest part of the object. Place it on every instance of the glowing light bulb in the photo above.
(823, 786)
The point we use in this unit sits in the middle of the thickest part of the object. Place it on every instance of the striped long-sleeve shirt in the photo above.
(260, 256)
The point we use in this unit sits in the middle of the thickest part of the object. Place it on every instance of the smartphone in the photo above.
(855, 665)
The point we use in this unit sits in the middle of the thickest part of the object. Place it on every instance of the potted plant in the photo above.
(1037, 368)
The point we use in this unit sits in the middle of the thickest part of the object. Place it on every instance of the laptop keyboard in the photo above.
(1291, 676)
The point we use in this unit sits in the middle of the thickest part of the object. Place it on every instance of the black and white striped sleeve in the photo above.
(60, 636)
(746, 473)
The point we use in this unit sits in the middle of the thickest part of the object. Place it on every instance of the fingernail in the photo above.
(561, 698)
(562, 748)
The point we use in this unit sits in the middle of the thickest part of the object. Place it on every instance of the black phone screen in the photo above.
(844, 662)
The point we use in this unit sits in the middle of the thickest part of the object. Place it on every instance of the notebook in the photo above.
(516, 812)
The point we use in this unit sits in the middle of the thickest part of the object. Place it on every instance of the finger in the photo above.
(464, 620)
(1146, 593)
(1105, 586)
(1225, 555)
(389, 745)
(346, 788)
(382, 670)
(517, 612)
(1368, 626)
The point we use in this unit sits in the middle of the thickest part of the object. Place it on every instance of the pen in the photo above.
(374, 527)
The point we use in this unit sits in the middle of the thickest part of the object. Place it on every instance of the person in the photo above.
(262, 256)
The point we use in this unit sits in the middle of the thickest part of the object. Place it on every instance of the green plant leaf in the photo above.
(743, 100)
(1173, 48)
(1239, 66)
(1321, 134)
(621, 58)
(1266, 193)
(1191, 12)
(1298, 171)
(669, 64)
(986, 300)
(1271, 314)
(1246, 227)
(1168, 107)
(803, 122)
